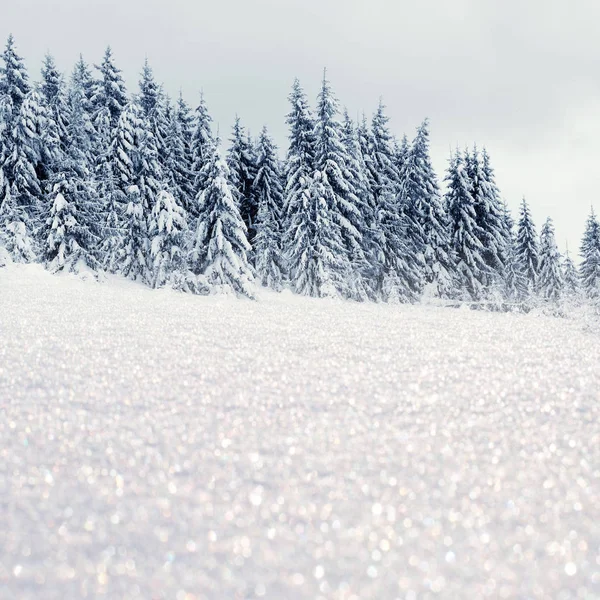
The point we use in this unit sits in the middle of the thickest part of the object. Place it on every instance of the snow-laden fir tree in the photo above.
(242, 169)
(385, 176)
(147, 172)
(14, 80)
(590, 258)
(125, 209)
(527, 249)
(421, 202)
(465, 234)
(202, 145)
(299, 166)
(73, 226)
(571, 280)
(221, 248)
(25, 202)
(316, 255)
(156, 115)
(110, 92)
(550, 278)
(179, 159)
(331, 161)
(390, 223)
(373, 239)
(356, 173)
(167, 231)
(134, 254)
(490, 218)
(15, 225)
(268, 190)
(54, 95)
(69, 229)
(515, 284)
(401, 152)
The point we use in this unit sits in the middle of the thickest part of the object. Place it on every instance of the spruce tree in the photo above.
(333, 188)
(110, 92)
(550, 280)
(202, 145)
(490, 217)
(14, 81)
(69, 230)
(221, 248)
(269, 194)
(359, 214)
(134, 255)
(385, 175)
(73, 225)
(373, 238)
(571, 280)
(54, 96)
(242, 169)
(179, 162)
(316, 253)
(167, 241)
(465, 234)
(15, 214)
(299, 166)
(590, 258)
(527, 249)
(428, 225)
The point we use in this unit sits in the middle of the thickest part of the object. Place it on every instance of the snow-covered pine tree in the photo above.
(390, 223)
(373, 239)
(590, 258)
(125, 213)
(242, 169)
(515, 284)
(54, 95)
(180, 164)
(79, 208)
(550, 280)
(299, 166)
(334, 189)
(316, 255)
(202, 145)
(359, 214)
(110, 92)
(14, 80)
(70, 231)
(571, 279)
(385, 175)
(82, 80)
(428, 225)
(527, 249)
(220, 254)
(490, 218)
(167, 242)
(25, 202)
(179, 161)
(134, 257)
(15, 226)
(465, 234)
(268, 191)
(401, 152)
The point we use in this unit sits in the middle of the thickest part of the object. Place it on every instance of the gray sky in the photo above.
(520, 77)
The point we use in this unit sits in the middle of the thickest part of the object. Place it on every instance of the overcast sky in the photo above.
(520, 77)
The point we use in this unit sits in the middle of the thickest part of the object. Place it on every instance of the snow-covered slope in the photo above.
(159, 445)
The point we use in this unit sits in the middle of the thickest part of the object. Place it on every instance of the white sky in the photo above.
(520, 77)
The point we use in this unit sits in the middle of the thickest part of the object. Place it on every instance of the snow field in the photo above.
(161, 445)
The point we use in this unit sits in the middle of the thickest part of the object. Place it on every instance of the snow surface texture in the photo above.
(160, 445)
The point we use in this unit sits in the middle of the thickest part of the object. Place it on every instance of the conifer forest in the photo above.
(95, 179)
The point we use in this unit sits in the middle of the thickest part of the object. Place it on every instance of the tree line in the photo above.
(94, 179)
